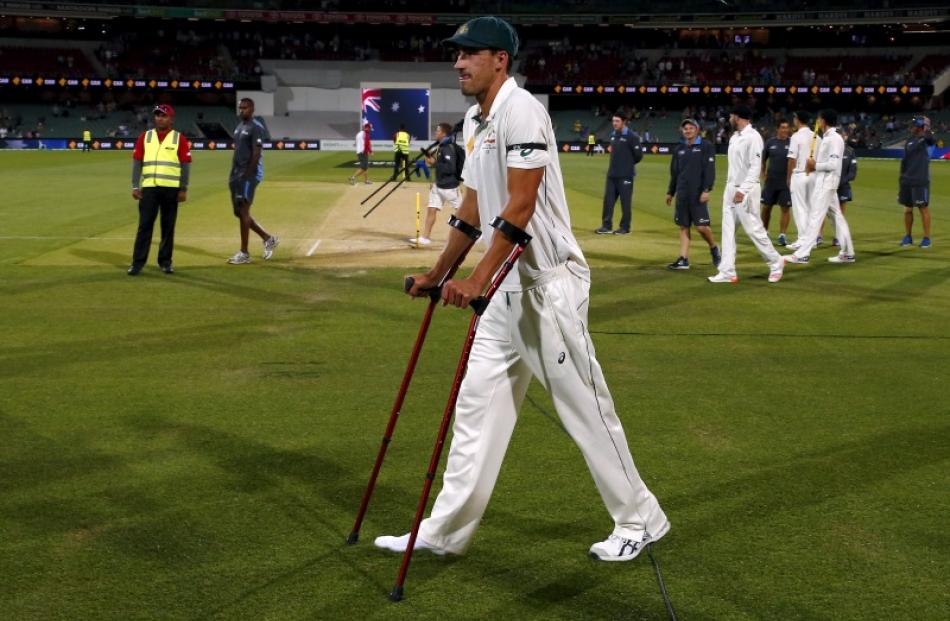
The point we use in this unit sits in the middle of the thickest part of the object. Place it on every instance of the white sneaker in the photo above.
(240, 258)
(367, 182)
(269, 245)
(399, 544)
(720, 277)
(352, 180)
(841, 258)
(791, 258)
(777, 274)
(616, 548)
(423, 241)
(794, 245)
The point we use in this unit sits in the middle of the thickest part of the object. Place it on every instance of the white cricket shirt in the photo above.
(828, 160)
(492, 147)
(745, 159)
(798, 147)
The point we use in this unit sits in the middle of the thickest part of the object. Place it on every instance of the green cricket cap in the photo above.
(485, 33)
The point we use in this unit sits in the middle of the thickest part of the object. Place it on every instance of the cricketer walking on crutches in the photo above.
(536, 326)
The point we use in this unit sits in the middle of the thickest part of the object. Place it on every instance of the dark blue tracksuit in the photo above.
(625, 152)
(692, 172)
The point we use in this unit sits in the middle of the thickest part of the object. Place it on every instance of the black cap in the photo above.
(690, 122)
(743, 112)
(485, 33)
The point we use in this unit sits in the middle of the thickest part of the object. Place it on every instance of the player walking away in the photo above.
(915, 179)
(775, 174)
(692, 175)
(625, 152)
(364, 148)
(161, 166)
(448, 159)
(740, 199)
(591, 141)
(826, 169)
(401, 153)
(849, 171)
(799, 182)
(537, 327)
(247, 171)
(86, 140)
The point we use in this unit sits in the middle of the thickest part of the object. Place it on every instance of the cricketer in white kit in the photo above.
(800, 183)
(740, 199)
(824, 198)
(535, 326)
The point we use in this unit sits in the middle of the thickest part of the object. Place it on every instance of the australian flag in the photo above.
(388, 108)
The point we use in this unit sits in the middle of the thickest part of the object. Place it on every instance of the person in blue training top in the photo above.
(625, 152)
(692, 175)
(915, 179)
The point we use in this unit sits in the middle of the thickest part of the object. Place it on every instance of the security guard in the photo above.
(692, 174)
(401, 151)
(161, 165)
(591, 141)
(86, 140)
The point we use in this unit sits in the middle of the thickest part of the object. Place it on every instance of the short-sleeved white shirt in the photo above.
(503, 140)
(799, 146)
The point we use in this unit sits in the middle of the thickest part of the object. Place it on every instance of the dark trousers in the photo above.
(153, 202)
(401, 164)
(618, 187)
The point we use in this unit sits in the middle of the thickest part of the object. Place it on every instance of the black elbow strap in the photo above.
(466, 228)
(512, 232)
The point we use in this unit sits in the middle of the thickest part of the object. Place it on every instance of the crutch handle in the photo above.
(434, 293)
(479, 305)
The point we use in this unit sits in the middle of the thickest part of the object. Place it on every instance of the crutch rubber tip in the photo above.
(396, 594)
(353, 538)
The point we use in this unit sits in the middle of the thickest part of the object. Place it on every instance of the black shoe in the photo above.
(622, 232)
(134, 270)
(716, 255)
(603, 231)
(167, 268)
(681, 263)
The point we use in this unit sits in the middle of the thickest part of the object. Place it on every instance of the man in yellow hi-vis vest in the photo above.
(86, 140)
(401, 152)
(591, 141)
(161, 164)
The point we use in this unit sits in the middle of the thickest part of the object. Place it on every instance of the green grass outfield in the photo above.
(195, 446)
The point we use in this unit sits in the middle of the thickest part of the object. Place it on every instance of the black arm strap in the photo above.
(540, 146)
(466, 228)
(512, 232)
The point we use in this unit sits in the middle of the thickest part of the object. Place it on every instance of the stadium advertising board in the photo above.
(24, 81)
(126, 144)
(738, 89)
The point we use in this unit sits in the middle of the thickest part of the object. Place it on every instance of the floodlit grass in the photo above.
(195, 446)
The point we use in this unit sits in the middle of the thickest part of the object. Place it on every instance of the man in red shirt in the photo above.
(161, 166)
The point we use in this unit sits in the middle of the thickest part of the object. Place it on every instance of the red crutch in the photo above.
(434, 295)
(478, 305)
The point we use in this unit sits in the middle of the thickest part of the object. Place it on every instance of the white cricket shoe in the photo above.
(399, 544)
(720, 277)
(240, 258)
(617, 548)
(269, 245)
(791, 258)
(841, 258)
(777, 274)
(794, 245)
(422, 241)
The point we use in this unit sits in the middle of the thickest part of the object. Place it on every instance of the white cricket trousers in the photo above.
(747, 213)
(825, 200)
(542, 333)
(801, 190)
